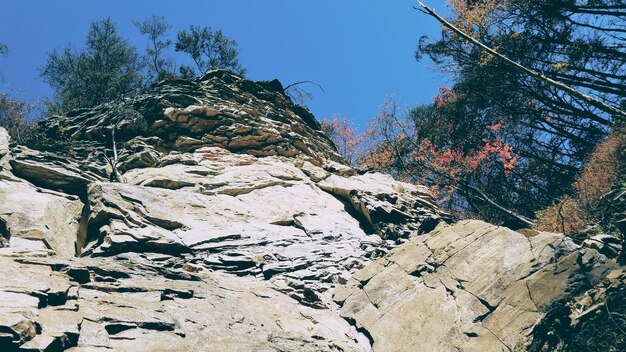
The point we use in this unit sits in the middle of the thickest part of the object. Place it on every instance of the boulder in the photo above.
(41, 219)
(472, 287)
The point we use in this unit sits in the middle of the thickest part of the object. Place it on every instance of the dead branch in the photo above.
(115, 173)
(537, 75)
(482, 196)
(303, 82)
(299, 94)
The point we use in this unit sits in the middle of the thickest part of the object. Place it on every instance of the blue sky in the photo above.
(359, 51)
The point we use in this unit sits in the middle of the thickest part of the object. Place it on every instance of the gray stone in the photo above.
(471, 286)
(225, 220)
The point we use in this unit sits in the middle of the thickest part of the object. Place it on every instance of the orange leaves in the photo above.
(376, 146)
(455, 163)
(390, 144)
(502, 150)
(496, 126)
(380, 157)
(469, 16)
(394, 142)
(447, 161)
(346, 137)
(385, 138)
(446, 97)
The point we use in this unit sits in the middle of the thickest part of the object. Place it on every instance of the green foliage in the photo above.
(107, 68)
(209, 49)
(155, 28)
(186, 71)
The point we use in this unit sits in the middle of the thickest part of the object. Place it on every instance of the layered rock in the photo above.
(219, 109)
(36, 218)
(178, 197)
(133, 302)
(214, 215)
(472, 287)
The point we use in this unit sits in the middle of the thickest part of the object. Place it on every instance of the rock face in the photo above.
(134, 302)
(209, 215)
(39, 219)
(472, 287)
(214, 215)
(219, 109)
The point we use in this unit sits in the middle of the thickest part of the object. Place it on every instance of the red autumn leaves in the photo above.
(391, 143)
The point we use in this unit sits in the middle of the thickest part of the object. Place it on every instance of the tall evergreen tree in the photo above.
(105, 69)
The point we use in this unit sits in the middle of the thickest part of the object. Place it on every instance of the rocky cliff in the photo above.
(214, 215)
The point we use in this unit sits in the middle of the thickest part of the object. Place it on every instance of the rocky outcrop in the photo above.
(214, 215)
(213, 195)
(219, 109)
(472, 287)
(134, 302)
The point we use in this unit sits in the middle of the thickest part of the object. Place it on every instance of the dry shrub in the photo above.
(567, 217)
(17, 117)
(602, 172)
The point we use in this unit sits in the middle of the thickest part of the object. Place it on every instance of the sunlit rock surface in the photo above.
(214, 215)
(224, 224)
(471, 287)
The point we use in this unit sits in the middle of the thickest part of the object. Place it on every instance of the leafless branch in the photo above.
(620, 114)
(299, 94)
(115, 173)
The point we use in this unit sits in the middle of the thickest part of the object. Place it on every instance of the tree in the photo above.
(553, 131)
(209, 49)
(394, 142)
(616, 112)
(107, 68)
(16, 116)
(156, 28)
(346, 137)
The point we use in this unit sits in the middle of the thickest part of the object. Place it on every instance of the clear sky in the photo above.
(360, 51)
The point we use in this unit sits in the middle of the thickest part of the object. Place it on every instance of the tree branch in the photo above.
(592, 101)
(300, 95)
(302, 82)
(115, 173)
(481, 195)
(465, 185)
